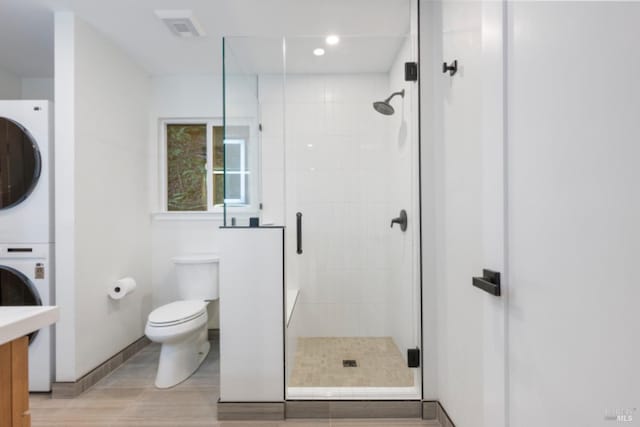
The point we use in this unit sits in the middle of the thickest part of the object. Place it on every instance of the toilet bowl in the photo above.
(181, 326)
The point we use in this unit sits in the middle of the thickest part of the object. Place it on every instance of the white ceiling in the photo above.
(26, 31)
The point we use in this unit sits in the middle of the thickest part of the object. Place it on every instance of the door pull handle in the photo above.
(489, 282)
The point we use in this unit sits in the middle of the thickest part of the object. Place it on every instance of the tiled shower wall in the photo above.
(337, 175)
(349, 171)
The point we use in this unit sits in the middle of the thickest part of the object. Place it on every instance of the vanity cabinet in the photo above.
(16, 322)
(14, 383)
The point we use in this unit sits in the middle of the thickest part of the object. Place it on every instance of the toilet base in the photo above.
(178, 361)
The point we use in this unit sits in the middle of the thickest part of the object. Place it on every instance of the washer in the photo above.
(26, 207)
(25, 279)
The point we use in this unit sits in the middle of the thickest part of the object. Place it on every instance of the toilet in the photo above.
(181, 326)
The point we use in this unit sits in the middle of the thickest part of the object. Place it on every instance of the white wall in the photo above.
(179, 97)
(452, 205)
(103, 230)
(15, 87)
(187, 97)
(37, 88)
(573, 212)
(9, 85)
(251, 338)
(571, 217)
(335, 147)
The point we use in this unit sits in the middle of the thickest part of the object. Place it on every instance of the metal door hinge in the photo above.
(413, 357)
(411, 71)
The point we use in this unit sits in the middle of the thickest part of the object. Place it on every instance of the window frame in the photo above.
(250, 150)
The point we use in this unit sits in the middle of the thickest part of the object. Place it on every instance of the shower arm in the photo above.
(401, 93)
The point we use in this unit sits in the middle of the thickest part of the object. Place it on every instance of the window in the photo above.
(195, 147)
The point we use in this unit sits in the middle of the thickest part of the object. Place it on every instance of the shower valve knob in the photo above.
(401, 220)
(452, 69)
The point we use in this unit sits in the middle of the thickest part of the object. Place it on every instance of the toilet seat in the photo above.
(176, 313)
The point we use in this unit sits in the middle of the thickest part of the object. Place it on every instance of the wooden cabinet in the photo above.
(14, 383)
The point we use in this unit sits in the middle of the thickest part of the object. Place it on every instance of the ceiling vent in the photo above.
(181, 23)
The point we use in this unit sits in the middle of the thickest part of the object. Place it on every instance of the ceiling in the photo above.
(26, 32)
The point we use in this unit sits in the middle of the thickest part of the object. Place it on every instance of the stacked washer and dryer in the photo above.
(26, 222)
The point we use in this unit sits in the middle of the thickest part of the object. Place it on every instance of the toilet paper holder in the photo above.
(121, 288)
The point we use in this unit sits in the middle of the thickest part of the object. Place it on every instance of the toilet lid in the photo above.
(178, 311)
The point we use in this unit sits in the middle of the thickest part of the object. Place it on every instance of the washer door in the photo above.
(20, 163)
(17, 289)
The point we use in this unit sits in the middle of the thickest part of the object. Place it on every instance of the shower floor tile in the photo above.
(319, 363)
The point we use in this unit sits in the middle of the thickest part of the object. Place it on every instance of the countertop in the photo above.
(16, 322)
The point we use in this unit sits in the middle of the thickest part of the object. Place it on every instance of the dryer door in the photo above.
(16, 290)
(20, 163)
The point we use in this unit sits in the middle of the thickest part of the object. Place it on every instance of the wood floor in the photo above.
(128, 397)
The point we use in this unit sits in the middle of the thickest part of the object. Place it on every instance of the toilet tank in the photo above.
(197, 276)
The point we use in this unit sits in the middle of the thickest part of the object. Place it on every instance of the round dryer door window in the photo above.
(17, 289)
(19, 164)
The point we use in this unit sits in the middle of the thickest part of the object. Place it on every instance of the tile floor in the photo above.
(319, 363)
(127, 397)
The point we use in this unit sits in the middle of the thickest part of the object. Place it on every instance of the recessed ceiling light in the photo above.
(318, 52)
(332, 40)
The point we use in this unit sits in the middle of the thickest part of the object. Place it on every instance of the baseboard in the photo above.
(214, 334)
(334, 409)
(435, 410)
(69, 390)
(250, 411)
(429, 410)
(353, 409)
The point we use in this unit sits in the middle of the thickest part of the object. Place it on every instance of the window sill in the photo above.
(187, 216)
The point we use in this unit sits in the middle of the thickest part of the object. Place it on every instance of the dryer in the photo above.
(26, 279)
(26, 205)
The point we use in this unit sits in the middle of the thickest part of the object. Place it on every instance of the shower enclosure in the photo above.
(327, 146)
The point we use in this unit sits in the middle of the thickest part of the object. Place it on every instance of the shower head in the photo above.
(384, 107)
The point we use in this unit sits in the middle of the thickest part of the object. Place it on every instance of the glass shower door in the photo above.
(352, 275)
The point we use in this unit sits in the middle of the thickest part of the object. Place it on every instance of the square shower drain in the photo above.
(349, 363)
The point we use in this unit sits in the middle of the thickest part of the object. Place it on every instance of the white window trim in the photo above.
(214, 212)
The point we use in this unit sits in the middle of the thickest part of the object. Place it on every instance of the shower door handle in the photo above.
(299, 233)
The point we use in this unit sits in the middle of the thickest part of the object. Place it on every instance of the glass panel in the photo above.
(254, 185)
(186, 167)
(235, 188)
(349, 171)
(19, 164)
(346, 169)
(234, 155)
